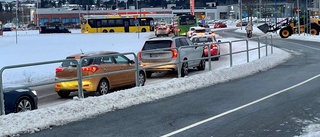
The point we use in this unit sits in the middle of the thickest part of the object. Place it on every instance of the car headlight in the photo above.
(34, 92)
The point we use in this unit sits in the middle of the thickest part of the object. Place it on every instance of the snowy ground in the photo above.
(32, 47)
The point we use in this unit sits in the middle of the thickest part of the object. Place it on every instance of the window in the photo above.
(106, 60)
(42, 21)
(104, 23)
(184, 42)
(178, 43)
(119, 22)
(111, 22)
(120, 59)
(65, 20)
(55, 20)
(187, 20)
(150, 45)
(75, 20)
(132, 22)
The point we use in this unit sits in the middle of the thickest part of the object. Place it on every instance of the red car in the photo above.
(220, 25)
(208, 41)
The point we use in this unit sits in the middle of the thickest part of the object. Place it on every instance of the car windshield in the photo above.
(201, 39)
(149, 45)
(73, 63)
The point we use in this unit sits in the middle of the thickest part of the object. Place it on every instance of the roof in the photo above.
(96, 53)
(163, 38)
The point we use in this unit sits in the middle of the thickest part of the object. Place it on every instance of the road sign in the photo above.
(245, 14)
(203, 21)
(136, 22)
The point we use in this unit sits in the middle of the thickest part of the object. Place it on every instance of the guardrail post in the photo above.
(230, 50)
(79, 74)
(259, 48)
(247, 46)
(209, 55)
(271, 40)
(2, 111)
(266, 46)
(136, 63)
(179, 63)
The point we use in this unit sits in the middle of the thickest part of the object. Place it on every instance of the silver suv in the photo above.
(162, 50)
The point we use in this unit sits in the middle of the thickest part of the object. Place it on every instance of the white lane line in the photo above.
(238, 108)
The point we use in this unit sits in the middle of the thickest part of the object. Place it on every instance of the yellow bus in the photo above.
(116, 24)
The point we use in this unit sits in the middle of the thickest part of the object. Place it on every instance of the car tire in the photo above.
(111, 31)
(64, 94)
(184, 69)
(24, 103)
(105, 31)
(143, 30)
(103, 87)
(148, 73)
(202, 65)
(142, 78)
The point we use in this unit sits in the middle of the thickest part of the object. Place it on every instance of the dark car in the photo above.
(19, 100)
(53, 29)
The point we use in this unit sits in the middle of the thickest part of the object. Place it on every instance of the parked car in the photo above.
(162, 29)
(53, 29)
(157, 51)
(209, 42)
(19, 100)
(220, 25)
(109, 62)
(192, 30)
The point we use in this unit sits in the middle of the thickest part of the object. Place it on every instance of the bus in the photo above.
(183, 23)
(116, 24)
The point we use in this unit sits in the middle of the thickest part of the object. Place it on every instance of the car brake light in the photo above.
(213, 45)
(90, 68)
(59, 70)
(139, 55)
(174, 53)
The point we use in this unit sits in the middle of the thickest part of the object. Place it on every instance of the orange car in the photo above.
(98, 64)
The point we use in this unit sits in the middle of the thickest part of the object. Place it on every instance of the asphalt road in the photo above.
(224, 106)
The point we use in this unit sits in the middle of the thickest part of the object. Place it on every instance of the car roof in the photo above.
(95, 53)
(163, 38)
(197, 36)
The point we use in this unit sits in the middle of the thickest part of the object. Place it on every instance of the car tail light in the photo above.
(90, 68)
(59, 70)
(174, 53)
(213, 45)
(139, 55)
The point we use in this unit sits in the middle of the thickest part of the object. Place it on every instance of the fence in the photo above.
(137, 68)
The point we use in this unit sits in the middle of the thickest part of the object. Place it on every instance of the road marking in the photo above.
(238, 108)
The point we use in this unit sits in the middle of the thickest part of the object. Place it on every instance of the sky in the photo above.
(29, 47)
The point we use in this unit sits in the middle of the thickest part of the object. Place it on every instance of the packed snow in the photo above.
(29, 46)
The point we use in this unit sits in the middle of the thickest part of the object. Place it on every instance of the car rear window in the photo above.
(150, 45)
(71, 63)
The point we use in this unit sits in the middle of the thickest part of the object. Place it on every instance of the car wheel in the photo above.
(149, 74)
(142, 78)
(24, 104)
(64, 94)
(202, 65)
(105, 31)
(111, 31)
(184, 69)
(103, 87)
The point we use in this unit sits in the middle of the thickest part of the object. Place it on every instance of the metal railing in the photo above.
(137, 68)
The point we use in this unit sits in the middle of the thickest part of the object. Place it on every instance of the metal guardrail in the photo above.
(78, 62)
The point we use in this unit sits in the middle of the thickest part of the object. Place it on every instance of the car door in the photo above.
(189, 51)
(197, 53)
(108, 64)
(127, 78)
